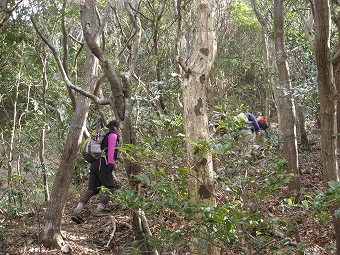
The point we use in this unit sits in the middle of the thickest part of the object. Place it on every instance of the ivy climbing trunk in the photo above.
(195, 79)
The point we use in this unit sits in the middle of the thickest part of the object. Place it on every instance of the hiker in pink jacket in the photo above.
(101, 173)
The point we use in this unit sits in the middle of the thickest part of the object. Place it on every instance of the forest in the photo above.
(176, 74)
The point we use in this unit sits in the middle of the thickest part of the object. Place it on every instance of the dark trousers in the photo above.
(100, 175)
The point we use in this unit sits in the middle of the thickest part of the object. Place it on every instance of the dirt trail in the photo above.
(94, 236)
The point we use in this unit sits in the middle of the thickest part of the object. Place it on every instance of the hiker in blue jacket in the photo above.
(249, 129)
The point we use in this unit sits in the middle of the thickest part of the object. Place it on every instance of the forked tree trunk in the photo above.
(121, 106)
(194, 84)
(284, 95)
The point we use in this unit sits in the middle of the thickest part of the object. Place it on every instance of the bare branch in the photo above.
(65, 53)
(68, 83)
(178, 58)
(137, 25)
(114, 227)
(257, 12)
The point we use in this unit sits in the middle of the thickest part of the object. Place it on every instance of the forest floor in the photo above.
(112, 233)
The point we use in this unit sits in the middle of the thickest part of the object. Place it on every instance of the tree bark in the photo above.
(10, 149)
(327, 98)
(121, 106)
(43, 130)
(195, 78)
(51, 235)
(326, 90)
(336, 73)
(302, 127)
(267, 85)
(285, 100)
(265, 41)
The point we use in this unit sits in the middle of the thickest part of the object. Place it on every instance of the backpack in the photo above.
(262, 121)
(105, 143)
(241, 120)
(92, 148)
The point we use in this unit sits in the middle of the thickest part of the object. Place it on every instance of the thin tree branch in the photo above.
(114, 227)
(62, 70)
(137, 25)
(257, 12)
(65, 52)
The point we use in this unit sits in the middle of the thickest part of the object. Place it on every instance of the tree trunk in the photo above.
(302, 127)
(336, 74)
(43, 130)
(267, 85)
(194, 85)
(51, 235)
(327, 99)
(11, 143)
(326, 90)
(121, 106)
(285, 100)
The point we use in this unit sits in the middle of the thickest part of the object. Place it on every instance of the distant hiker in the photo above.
(101, 173)
(263, 124)
(218, 124)
(248, 130)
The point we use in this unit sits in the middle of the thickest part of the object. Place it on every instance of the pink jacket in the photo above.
(111, 139)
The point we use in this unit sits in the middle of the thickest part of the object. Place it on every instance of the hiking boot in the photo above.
(76, 217)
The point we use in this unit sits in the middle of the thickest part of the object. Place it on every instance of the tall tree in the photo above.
(266, 55)
(121, 106)
(327, 90)
(51, 234)
(336, 73)
(120, 102)
(285, 100)
(336, 67)
(195, 79)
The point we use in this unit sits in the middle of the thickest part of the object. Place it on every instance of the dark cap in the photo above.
(113, 123)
